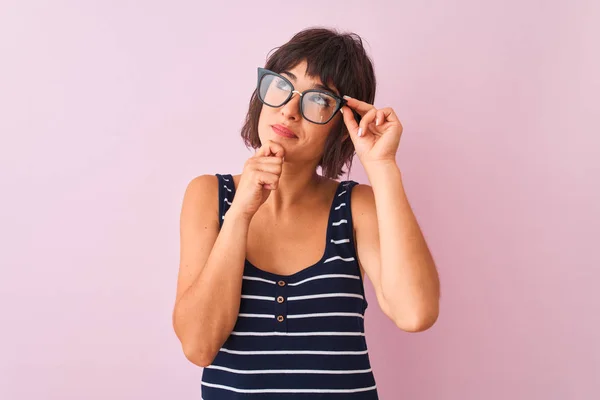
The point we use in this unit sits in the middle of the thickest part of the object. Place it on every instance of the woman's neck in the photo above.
(296, 187)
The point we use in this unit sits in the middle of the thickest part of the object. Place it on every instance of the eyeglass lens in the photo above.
(317, 107)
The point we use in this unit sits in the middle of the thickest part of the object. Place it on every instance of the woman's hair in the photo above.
(335, 58)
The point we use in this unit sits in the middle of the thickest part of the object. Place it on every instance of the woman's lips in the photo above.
(283, 131)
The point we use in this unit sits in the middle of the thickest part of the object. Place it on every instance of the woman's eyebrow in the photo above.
(316, 85)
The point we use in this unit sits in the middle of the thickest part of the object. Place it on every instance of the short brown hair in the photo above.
(334, 57)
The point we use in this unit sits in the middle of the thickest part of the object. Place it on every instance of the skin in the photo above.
(292, 222)
(303, 198)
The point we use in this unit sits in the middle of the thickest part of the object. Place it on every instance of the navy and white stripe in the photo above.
(299, 336)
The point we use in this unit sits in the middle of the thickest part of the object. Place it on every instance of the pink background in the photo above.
(109, 108)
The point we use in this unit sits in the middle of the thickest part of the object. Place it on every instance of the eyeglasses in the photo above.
(317, 106)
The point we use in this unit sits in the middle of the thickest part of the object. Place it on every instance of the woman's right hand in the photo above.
(260, 176)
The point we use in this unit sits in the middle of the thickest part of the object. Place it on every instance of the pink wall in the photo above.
(108, 109)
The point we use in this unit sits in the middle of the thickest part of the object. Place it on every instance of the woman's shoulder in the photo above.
(203, 182)
(362, 195)
(210, 182)
(202, 188)
(359, 191)
(200, 201)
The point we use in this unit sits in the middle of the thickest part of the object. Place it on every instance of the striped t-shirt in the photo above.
(298, 336)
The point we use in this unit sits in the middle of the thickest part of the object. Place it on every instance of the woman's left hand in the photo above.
(380, 131)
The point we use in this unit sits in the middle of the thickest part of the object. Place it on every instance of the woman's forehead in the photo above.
(299, 74)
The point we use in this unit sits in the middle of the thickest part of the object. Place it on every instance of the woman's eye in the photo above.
(321, 101)
(283, 85)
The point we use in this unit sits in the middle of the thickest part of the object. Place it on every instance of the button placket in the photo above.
(281, 306)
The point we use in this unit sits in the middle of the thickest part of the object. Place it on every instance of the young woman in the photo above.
(270, 296)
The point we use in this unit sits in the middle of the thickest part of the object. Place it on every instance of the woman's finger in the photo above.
(270, 148)
(379, 118)
(367, 119)
(349, 120)
(389, 115)
(360, 107)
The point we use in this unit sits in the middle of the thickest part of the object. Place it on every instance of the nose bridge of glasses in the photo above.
(292, 96)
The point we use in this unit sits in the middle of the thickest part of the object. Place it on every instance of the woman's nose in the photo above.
(291, 109)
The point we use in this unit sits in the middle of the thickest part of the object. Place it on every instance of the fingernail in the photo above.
(346, 96)
(376, 121)
(342, 110)
(359, 132)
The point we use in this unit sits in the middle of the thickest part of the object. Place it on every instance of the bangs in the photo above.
(335, 60)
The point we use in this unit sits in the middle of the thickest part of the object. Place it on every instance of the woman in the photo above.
(270, 293)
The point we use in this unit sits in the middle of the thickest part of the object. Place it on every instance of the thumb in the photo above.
(349, 120)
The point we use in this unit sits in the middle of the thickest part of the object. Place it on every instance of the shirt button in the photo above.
(280, 299)
(280, 318)
(281, 283)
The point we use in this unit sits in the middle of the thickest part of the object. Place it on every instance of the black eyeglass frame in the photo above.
(262, 72)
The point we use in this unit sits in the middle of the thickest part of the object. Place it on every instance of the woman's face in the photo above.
(309, 138)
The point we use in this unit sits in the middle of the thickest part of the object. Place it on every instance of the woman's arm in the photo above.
(392, 250)
(390, 244)
(210, 272)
